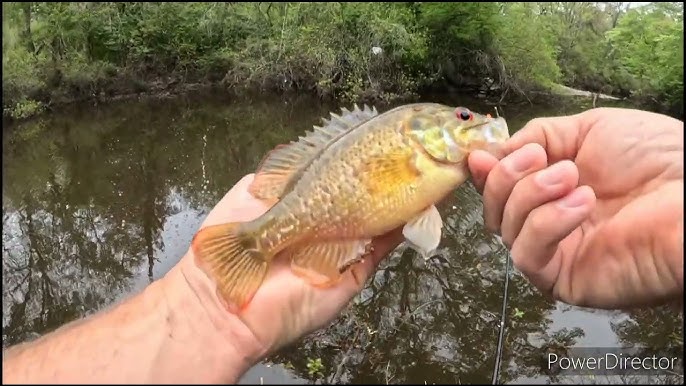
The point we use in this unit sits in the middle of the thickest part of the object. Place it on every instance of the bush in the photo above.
(55, 52)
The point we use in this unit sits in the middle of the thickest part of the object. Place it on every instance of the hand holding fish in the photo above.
(591, 206)
(177, 330)
(286, 307)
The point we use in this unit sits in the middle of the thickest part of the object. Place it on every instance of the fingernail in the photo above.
(550, 176)
(574, 199)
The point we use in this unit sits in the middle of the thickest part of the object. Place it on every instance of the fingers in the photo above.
(544, 228)
(480, 164)
(533, 191)
(386, 244)
(240, 190)
(383, 246)
(237, 205)
(243, 183)
(503, 177)
(559, 136)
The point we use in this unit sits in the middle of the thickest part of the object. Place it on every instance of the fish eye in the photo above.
(463, 114)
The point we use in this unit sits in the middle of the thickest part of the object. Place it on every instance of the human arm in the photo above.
(176, 331)
(166, 333)
(606, 228)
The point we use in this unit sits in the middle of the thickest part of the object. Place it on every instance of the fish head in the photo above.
(449, 134)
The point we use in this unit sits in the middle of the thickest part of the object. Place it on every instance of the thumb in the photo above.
(382, 247)
(480, 164)
(535, 252)
(559, 136)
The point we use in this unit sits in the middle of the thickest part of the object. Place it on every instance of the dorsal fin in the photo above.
(285, 162)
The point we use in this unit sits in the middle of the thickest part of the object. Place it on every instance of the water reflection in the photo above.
(87, 195)
(98, 202)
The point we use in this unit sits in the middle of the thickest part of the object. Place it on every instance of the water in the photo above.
(99, 201)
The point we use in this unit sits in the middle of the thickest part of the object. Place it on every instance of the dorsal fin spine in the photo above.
(285, 162)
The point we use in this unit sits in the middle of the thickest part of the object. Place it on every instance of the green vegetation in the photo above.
(60, 52)
(315, 367)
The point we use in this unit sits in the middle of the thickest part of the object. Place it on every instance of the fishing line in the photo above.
(499, 349)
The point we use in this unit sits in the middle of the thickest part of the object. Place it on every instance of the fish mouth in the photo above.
(496, 131)
(495, 134)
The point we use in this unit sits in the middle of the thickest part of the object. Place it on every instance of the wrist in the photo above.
(227, 345)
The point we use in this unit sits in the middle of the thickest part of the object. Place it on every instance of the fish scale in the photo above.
(342, 169)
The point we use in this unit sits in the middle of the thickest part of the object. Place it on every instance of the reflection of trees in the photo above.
(57, 268)
(659, 327)
(660, 331)
(648, 332)
(77, 240)
(86, 194)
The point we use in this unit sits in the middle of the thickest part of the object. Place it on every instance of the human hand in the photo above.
(285, 307)
(591, 206)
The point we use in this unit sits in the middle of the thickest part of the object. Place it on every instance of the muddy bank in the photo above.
(564, 90)
(126, 87)
(99, 92)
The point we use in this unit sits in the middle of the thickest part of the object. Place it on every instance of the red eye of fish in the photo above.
(463, 114)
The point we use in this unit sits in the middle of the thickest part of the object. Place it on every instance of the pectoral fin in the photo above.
(423, 233)
(322, 264)
(389, 171)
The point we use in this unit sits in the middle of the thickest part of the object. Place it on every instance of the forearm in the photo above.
(164, 334)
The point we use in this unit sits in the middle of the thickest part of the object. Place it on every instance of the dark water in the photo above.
(97, 202)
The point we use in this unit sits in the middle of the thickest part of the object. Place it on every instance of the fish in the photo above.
(358, 175)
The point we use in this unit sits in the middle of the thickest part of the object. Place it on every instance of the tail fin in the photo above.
(238, 270)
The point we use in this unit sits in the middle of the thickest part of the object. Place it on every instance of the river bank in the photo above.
(64, 53)
(128, 88)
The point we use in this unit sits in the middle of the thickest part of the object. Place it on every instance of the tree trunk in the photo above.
(26, 33)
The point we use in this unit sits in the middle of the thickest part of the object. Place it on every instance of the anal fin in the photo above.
(423, 232)
(323, 264)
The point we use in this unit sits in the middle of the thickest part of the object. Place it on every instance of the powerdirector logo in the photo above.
(613, 361)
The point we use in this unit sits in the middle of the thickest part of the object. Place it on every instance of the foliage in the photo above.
(329, 48)
(529, 64)
(315, 367)
(648, 43)
(56, 52)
